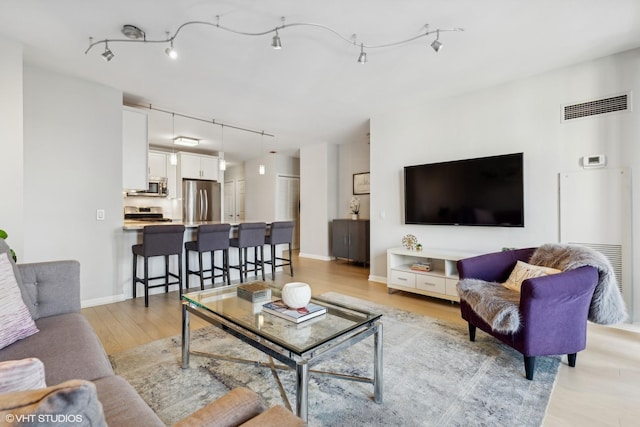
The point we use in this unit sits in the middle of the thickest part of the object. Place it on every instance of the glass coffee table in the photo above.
(297, 345)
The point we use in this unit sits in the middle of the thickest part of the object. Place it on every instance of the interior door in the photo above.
(240, 200)
(288, 204)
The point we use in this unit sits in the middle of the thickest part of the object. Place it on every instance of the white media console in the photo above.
(439, 282)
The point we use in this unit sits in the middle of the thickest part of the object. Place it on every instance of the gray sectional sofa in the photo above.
(70, 349)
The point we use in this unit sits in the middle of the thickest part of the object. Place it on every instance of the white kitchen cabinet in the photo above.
(157, 164)
(198, 166)
(135, 145)
(439, 282)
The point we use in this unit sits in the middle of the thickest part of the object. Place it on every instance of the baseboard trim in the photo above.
(379, 279)
(102, 301)
(318, 257)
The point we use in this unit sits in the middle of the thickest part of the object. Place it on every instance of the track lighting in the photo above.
(437, 45)
(221, 162)
(362, 59)
(135, 34)
(107, 55)
(261, 168)
(275, 43)
(170, 51)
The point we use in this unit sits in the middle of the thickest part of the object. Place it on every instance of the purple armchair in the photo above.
(553, 309)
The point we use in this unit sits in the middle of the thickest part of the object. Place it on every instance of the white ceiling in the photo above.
(313, 90)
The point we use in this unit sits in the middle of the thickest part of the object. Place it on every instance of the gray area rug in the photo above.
(433, 376)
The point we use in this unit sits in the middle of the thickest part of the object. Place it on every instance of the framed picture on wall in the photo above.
(361, 183)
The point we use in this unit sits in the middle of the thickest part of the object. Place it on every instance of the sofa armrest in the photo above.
(493, 267)
(53, 287)
(231, 410)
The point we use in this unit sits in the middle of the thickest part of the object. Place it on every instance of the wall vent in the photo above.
(613, 253)
(612, 104)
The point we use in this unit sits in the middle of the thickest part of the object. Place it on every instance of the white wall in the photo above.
(73, 166)
(11, 145)
(519, 116)
(318, 187)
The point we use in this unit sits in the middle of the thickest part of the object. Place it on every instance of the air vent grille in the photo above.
(596, 107)
(613, 253)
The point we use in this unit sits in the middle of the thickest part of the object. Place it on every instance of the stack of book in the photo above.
(421, 266)
(280, 309)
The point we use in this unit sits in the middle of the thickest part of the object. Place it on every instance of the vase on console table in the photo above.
(354, 216)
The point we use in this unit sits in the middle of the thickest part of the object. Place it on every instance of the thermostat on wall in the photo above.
(594, 161)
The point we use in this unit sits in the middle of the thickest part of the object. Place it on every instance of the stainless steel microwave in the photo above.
(157, 188)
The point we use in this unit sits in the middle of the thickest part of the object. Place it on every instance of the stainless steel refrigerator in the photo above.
(200, 200)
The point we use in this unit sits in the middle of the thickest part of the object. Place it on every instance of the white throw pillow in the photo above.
(15, 321)
(19, 375)
(523, 271)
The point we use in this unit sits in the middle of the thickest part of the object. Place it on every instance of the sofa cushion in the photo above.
(122, 405)
(523, 271)
(28, 292)
(73, 403)
(68, 347)
(16, 322)
(23, 374)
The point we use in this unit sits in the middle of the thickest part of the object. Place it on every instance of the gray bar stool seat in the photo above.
(250, 235)
(211, 238)
(281, 232)
(158, 240)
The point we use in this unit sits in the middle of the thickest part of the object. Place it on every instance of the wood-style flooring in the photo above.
(602, 390)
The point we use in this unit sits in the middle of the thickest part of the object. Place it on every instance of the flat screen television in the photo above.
(485, 191)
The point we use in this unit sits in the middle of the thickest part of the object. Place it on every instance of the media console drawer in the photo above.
(403, 278)
(430, 283)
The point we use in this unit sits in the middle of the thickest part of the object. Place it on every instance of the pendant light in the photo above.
(261, 168)
(173, 157)
(221, 161)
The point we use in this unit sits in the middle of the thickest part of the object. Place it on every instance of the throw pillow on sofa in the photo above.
(523, 271)
(16, 322)
(19, 375)
(72, 403)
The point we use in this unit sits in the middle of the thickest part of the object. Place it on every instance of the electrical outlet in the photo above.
(100, 215)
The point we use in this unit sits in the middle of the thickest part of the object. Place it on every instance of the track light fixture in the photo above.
(261, 168)
(275, 43)
(136, 35)
(170, 51)
(221, 162)
(437, 45)
(107, 55)
(362, 59)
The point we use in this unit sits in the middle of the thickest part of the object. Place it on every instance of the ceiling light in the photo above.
(261, 170)
(437, 45)
(188, 142)
(135, 34)
(362, 59)
(171, 52)
(132, 32)
(222, 162)
(107, 55)
(275, 43)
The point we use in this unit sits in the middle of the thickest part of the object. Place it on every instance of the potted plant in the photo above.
(354, 207)
(4, 235)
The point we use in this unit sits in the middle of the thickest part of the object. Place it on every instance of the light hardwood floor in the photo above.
(603, 389)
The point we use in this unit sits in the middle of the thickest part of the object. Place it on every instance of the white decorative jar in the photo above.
(296, 294)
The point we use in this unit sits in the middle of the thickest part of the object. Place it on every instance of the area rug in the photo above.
(433, 376)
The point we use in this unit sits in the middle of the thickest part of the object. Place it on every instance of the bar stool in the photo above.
(250, 235)
(158, 240)
(281, 233)
(211, 238)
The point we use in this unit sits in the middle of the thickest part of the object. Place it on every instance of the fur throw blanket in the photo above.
(499, 306)
(607, 306)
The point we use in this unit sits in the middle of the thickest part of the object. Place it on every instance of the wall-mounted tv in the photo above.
(486, 191)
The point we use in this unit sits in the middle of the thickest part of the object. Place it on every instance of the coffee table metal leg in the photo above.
(185, 337)
(377, 364)
(302, 389)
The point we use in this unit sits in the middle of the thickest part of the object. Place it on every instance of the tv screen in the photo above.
(485, 191)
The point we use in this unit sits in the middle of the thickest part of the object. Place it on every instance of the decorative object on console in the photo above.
(296, 294)
(409, 242)
(419, 247)
(354, 207)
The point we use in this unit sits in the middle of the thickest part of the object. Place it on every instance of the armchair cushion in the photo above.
(523, 271)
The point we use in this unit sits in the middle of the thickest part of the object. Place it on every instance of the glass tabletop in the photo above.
(298, 338)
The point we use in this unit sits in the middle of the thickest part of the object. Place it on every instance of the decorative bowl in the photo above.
(296, 294)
